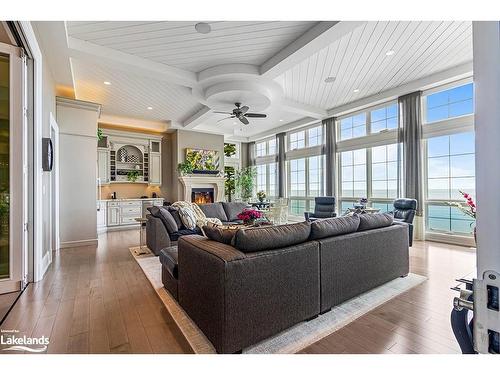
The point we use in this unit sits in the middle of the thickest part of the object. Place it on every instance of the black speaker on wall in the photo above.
(47, 154)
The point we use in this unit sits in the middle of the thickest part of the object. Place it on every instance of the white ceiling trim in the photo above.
(313, 40)
(303, 109)
(133, 64)
(199, 117)
(127, 122)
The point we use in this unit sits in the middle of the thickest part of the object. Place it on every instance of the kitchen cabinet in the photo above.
(155, 168)
(103, 167)
(113, 214)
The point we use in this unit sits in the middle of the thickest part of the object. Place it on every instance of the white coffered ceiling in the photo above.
(281, 66)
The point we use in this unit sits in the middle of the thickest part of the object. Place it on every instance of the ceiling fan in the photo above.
(241, 113)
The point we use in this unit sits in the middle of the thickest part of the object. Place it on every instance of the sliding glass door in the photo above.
(12, 245)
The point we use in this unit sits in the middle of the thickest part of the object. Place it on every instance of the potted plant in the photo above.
(132, 176)
(245, 180)
(249, 216)
(229, 183)
(468, 208)
(184, 168)
(261, 196)
(229, 149)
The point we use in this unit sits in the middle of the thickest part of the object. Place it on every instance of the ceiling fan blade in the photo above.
(224, 113)
(244, 109)
(243, 120)
(222, 119)
(256, 115)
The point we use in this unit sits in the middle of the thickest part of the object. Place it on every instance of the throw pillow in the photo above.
(373, 221)
(219, 234)
(334, 227)
(188, 217)
(175, 214)
(166, 218)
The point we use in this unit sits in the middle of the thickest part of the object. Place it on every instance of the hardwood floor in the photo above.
(417, 321)
(99, 301)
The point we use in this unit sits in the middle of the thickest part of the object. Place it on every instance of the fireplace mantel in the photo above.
(190, 182)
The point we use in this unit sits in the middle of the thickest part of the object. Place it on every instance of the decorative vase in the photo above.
(249, 222)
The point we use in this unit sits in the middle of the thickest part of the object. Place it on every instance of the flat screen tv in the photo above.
(203, 161)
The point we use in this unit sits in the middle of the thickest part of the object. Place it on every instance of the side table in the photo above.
(142, 250)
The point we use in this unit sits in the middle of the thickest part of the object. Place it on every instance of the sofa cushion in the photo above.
(216, 233)
(232, 209)
(174, 211)
(166, 218)
(250, 240)
(214, 210)
(168, 257)
(188, 217)
(334, 226)
(373, 221)
(183, 232)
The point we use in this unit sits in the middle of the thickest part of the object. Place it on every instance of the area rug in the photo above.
(293, 339)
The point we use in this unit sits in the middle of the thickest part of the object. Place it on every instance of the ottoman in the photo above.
(169, 269)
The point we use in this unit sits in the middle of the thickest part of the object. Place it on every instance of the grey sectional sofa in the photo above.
(160, 233)
(271, 278)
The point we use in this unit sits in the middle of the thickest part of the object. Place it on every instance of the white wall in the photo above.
(77, 160)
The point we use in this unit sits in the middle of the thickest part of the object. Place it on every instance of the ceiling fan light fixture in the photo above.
(202, 27)
(330, 79)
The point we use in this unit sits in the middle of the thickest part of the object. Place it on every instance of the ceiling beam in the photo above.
(198, 118)
(129, 63)
(437, 79)
(53, 38)
(313, 40)
(306, 110)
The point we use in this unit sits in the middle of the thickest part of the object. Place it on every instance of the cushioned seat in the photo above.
(183, 232)
(170, 269)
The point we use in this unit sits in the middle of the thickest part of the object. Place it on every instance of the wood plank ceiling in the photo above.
(358, 61)
(178, 44)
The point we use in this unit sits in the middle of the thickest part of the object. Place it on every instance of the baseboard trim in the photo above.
(68, 244)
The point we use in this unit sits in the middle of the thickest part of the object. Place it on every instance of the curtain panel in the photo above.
(330, 155)
(410, 136)
(280, 160)
(251, 154)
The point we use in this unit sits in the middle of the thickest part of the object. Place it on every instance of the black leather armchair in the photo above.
(404, 211)
(324, 207)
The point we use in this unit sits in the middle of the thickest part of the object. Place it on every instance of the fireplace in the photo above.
(202, 195)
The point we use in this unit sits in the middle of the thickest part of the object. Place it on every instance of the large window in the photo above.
(266, 179)
(454, 102)
(306, 181)
(306, 138)
(385, 118)
(353, 127)
(450, 154)
(384, 170)
(353, 172)
(265, 148)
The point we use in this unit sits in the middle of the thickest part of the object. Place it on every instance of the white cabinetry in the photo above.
(103, 165)
(155, 169)
(113, 214)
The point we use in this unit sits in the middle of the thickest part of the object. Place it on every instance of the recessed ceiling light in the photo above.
(234, 123)
(203, 27)
(390, 53)
(281, 120)
(107, 83)
(330, 79)
(356, 90)
(150, 108)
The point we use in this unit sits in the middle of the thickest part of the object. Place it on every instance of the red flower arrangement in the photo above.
(249, 215)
